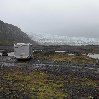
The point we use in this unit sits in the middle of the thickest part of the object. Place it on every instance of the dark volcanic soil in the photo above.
(56, 71)
(61, 68)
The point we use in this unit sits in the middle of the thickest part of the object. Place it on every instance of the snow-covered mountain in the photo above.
(49, 39)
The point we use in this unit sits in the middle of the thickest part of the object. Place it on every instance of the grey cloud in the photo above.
(63, 17)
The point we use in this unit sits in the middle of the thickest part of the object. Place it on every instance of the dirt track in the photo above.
(52, 67)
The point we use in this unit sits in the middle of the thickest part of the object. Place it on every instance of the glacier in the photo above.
(50, 39)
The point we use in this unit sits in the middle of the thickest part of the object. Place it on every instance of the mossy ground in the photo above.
(81, 59)
(16, 83)
(23, 83)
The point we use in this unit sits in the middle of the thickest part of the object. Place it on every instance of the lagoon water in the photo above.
(9, 54)
(96, 56)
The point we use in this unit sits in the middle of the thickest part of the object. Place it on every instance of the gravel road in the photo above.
(59, 68)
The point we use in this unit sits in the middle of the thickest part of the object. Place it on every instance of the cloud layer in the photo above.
(62, 17)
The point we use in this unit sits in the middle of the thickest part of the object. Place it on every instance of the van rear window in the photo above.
(16, 47)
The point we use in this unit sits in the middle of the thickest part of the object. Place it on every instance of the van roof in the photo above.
(23, 44)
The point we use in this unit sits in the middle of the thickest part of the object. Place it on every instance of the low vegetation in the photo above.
(76, 59)
(28, 83)
(18, 83)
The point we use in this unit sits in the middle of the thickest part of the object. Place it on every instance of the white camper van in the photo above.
(23, 50)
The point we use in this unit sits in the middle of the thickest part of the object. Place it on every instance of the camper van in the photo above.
(23, 50)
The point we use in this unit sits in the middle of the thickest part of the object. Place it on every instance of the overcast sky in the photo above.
(62, 17)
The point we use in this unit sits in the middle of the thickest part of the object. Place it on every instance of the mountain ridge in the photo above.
(10, 34)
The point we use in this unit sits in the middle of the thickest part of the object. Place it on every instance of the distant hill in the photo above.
(10, 34)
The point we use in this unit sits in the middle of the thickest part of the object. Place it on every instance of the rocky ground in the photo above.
(43, 79)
